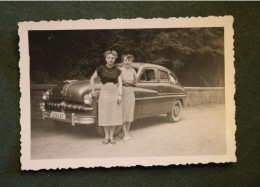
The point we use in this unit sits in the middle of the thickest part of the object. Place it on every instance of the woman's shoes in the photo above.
(105, 141)
(112, 141)
(126, 138)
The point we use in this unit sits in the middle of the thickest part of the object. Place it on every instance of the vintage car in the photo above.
(157, 91)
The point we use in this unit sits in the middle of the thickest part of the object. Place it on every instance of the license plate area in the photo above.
(58, 115)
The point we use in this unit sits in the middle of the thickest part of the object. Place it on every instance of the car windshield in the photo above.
(136, 69)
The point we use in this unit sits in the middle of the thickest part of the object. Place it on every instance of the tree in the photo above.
(196, 55)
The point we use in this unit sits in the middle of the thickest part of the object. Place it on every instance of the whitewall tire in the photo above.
(176, 112)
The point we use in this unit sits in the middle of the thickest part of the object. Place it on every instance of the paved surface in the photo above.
(201, 131)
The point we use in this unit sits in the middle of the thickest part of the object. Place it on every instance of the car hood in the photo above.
(73, 89)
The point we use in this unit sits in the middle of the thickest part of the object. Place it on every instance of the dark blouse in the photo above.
(107, 74)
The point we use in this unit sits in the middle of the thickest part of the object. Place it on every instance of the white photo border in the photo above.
(24, 27)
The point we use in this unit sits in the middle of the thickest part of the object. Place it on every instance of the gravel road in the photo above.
(201, 131)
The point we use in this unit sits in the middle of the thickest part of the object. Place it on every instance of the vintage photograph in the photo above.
(127, 92)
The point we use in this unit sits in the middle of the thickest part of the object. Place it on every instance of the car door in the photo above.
(148, 79)
(174, 86)
(165, 93)
(138, 99)
(164, 80)
(149, 82)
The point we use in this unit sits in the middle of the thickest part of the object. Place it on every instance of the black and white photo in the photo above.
(127, 92)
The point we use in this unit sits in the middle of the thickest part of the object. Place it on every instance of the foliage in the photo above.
(196, 55)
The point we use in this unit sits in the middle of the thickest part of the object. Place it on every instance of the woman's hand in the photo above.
(120, 87)
(119, 99)
(93, 94)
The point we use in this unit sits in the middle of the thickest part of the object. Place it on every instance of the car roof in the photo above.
(144, 65)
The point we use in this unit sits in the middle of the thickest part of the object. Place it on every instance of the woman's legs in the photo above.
(126, 128)
(111, 134)
(128, 124)
(125, 131)
(106, 130)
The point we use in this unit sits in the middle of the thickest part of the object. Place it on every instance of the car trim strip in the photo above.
(68, 106)
(160, 96)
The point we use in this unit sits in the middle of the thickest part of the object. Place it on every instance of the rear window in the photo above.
(163, 76)
(173, 79)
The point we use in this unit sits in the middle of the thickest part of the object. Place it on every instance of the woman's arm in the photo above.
(120, 89)
(135, 78)
(92, 83)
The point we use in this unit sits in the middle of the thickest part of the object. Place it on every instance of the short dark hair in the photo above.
(128, 56)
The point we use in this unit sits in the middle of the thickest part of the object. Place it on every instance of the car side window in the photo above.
(148, 75)
(173, 79)
(163, 76)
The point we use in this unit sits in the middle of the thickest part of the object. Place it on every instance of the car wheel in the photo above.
(100, 130)
(175, 114)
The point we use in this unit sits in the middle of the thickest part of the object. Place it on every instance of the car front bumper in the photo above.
(73, 118)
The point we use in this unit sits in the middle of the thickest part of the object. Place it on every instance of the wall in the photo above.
(205, 95)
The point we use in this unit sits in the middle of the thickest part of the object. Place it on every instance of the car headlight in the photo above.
(42, 105)
(46, 95)
(88, 99)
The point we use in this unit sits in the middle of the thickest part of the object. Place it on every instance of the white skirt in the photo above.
(109, 111)
(128, 102)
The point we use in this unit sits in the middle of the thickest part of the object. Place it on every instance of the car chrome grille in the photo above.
(65, 105)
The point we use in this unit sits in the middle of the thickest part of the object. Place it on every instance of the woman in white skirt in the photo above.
(128, 101)
(110, 97)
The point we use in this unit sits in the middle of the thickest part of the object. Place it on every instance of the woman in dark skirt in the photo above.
(129, 80)
(110, 97)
